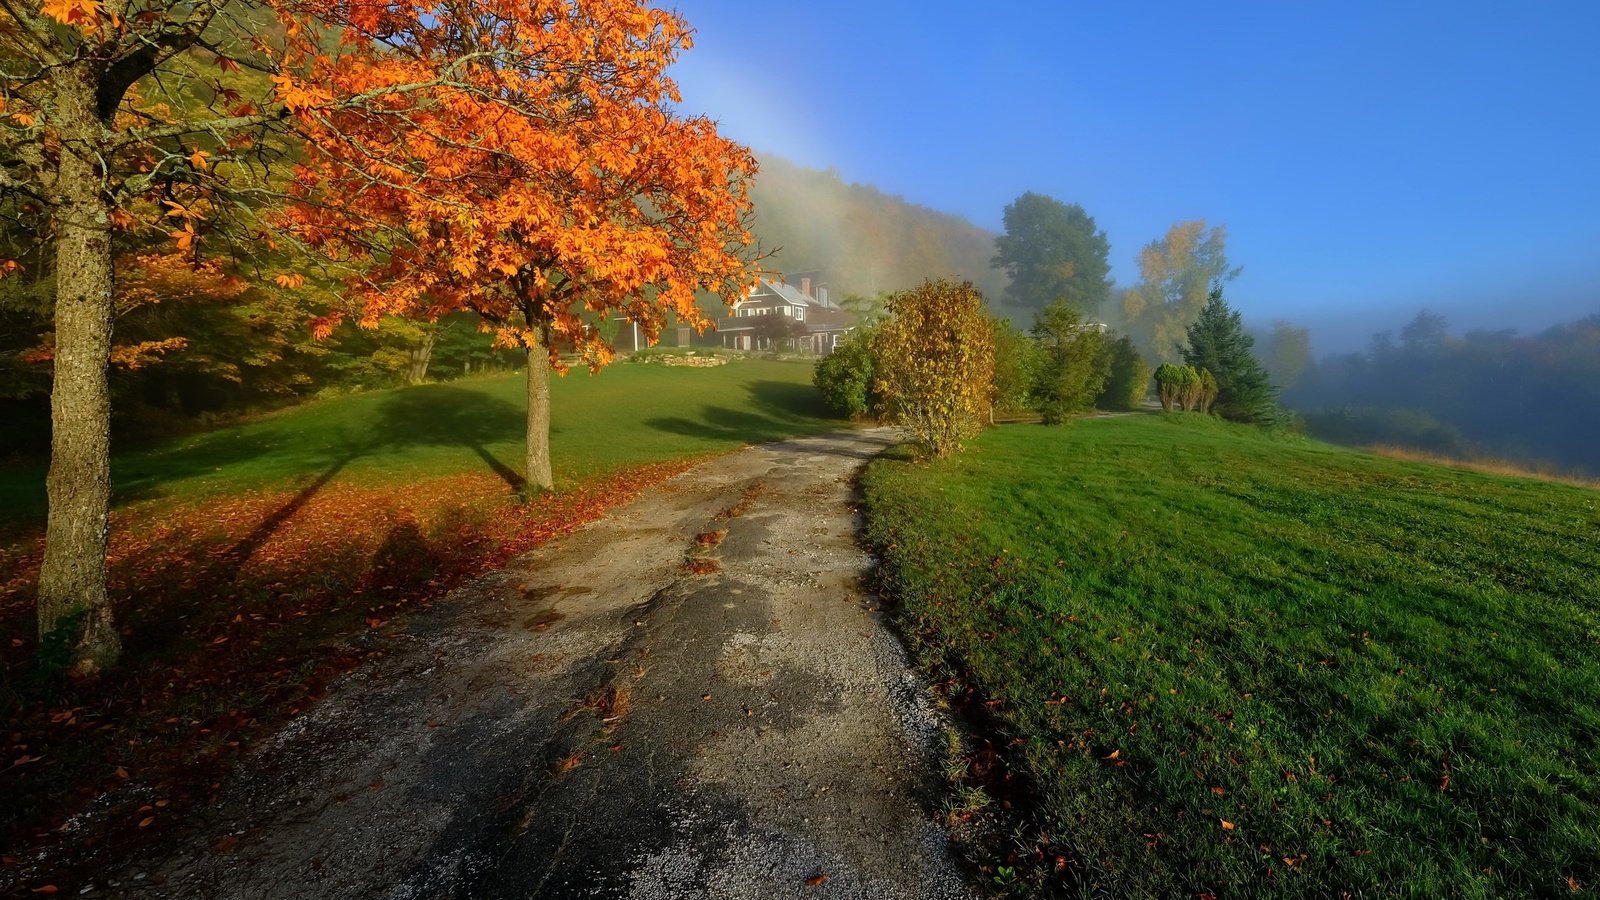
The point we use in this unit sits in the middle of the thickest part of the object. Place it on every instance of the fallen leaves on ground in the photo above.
(237, 610)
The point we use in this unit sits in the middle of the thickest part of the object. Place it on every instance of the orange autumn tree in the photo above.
(548, 184)
(121, 119)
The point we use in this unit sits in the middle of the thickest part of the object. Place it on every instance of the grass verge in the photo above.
(1241, 666)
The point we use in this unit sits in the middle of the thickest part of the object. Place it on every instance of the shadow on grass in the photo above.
(781, 410)
(442, 416)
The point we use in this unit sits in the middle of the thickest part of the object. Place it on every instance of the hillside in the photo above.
(1242, 666)
(863, 240)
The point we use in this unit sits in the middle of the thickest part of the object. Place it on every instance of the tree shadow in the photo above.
(442, 416)
(788, 400)
(781, 409)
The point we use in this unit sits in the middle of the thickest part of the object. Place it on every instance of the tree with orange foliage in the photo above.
(126, 116)
(548, 184)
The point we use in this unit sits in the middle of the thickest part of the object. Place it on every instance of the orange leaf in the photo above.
(145, 822)
(817, 880)
(1226, 825)
(122, 773)
(198, 159)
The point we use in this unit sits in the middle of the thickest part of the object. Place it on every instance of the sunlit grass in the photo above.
(629, 414)
(1383, 675)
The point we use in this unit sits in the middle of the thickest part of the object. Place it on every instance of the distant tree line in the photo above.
(1531, 397)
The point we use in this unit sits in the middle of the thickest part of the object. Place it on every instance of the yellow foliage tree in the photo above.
(935, 364)
(1176, 274)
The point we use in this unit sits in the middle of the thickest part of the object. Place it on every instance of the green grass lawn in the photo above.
(627, 415)
(1383, 676)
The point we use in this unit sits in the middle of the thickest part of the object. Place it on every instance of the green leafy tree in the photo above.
(1218, 342)
(935, 364)
(1016, 360)
(1128, 383)
(1175, 275)
(1074, 363)
(1053, 251)
(845, 377)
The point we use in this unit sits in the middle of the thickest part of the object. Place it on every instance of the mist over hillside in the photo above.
(861, 239)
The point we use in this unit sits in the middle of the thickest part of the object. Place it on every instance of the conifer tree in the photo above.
(1219, 343)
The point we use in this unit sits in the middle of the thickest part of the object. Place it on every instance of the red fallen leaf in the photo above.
(225, 844)
(122, 773)
(47, 889)
(145, 822)
(1573, 885)
(1218, 791)
(220, 640)
(816, 880)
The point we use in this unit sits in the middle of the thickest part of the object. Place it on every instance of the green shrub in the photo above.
(1169, 378)
(845, 377)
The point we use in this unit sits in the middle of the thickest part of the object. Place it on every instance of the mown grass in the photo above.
(1258, 667)
(626, 415)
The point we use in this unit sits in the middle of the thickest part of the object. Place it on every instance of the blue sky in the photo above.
(1367, 158)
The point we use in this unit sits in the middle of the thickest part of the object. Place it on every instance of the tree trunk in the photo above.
(422, 355)
(73, 605)
(538, 462)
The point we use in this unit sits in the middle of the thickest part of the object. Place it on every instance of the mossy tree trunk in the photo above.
(74, 607)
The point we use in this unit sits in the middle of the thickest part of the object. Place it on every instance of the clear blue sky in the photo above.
(1368, 158)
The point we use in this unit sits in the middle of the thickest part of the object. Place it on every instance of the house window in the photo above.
(788, 310)
(800, 314)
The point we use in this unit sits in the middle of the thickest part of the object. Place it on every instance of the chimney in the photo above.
(805, 285)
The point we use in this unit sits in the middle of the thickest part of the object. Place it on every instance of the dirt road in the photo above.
(690, 698)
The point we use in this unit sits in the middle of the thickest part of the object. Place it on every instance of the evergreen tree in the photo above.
(1219, 343)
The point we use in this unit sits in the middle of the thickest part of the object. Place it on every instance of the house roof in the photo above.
(790, 294)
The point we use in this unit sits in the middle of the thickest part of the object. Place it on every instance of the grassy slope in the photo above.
(626, 415)
(1298, 640)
